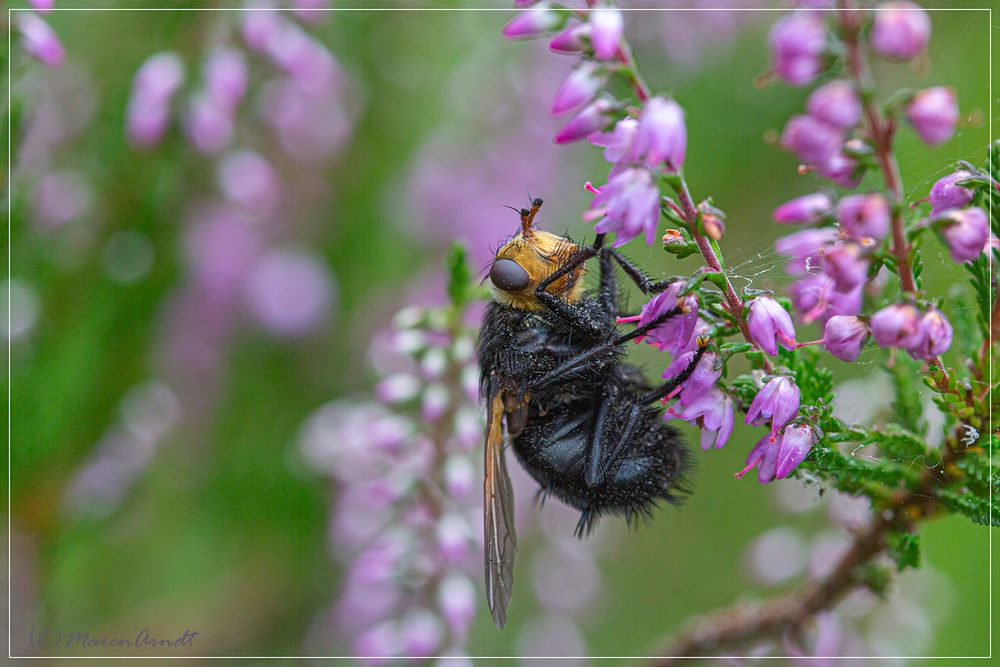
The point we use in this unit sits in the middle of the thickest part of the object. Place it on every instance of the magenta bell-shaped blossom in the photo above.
(606, 29)
(630, 206)
(946, 194)
(842, 170)
(900, 30)
(770, 324)
(777, 402)
(844, 336)
(702, 379)
(39, 39)
(796, 442)
(531, 23)
(712, 412)
(864, 216)
(618, 142)
(966, 231)
(815, 299)
(763, 456)
(226, 77)
(582, 84)
(897, 325)
(674, 333)
(572, 40)
(933, 113)
(662, 135)
(805, 248)
(845, 263)
(812, 140)
(593, 118)
(934, 337)
(804, 210)
(798, 41)
(836, 103)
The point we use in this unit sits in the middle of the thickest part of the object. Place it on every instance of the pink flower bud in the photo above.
(777, 401)
(933, 113)
(457, 600)
(842, 170)
(606, 29)
(798, 41)
(208, 127)
(572, 40)
(226, 77)
(844, 336)
(593, 118)
(805, 248)
(40, 40)
(289, 292)
(770, 324)
(897, 325)
(630, 206)
(250, 180)
(674, 333)
(946, 194)
(662, 135)
(42, 6)
(796, 442)
(420, 633)
(454, 537)
(836, 103)
(812, 140)
(147, 115)
(846, 264)
(580, 87)
(900, 30)
(618, 142)
(763, 456)
(966, 231)
(864, 216)
(934, 337)
(531, 23)
(804, 210)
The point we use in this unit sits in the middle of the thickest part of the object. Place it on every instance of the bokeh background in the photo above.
(179, 311)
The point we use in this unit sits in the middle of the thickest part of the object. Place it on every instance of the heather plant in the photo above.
(857, 262)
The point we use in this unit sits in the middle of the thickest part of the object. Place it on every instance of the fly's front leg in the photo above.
(557, 305)
(639, 276)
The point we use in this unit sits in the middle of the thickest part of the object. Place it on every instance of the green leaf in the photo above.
(459, 275)
(904, 548)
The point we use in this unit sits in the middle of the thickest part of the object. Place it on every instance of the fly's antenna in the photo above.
(528, 216)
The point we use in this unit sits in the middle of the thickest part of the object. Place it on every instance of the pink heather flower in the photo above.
(208, 127)
(846, 265)
(933, 113)
(531, 23)
(662, 135)
(702, 379)
(593, 118)
(844, 336)
(289, 292)
(966, 231)
(226, 78)
(308, 61)
(250, 180)
(804, 210)
(148, 113)
(842, 170)
(606, 29)
(897, 325)
(798, 41)
(777, 402)
(40, 40)
(763, 456)
(457, 601)
(946, 194)
(618, 142)
(770, 324)
(420, 633)
(674, 333)
(934, 337)
(812, 140)
(259, 28)
(864, 216)
(900, 30)
(572, 40)
(815, 299)
(796, 442)
(42, 6)
(630, 206)
(836, 103)
(582, 84)
(805, 248)
(712, 412)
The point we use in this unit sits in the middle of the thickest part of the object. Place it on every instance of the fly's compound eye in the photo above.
(508, 275)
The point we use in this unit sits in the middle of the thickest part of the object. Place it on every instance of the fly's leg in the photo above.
(669, 386)
(558, 305)
(639, 276)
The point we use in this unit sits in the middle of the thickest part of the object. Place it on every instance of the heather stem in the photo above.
(881, 131)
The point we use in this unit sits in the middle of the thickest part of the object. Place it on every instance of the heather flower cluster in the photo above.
(403, 523)
(856, 264)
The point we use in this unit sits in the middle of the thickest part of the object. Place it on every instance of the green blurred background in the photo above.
(225, 530)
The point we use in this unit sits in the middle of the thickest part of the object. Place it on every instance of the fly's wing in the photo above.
(498, 513)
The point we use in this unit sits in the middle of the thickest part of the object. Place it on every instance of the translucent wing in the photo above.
(498, 514)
